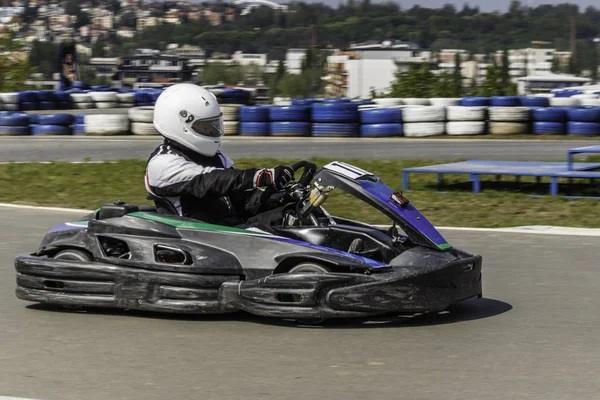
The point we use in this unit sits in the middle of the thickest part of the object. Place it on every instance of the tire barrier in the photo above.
(11, 106)
(34, 119)
(106, 104)
(388, 102)
(590, 102)
(291, 128)
(382, 130)
(583, 128)
(230, 128)
(83, 106)
(567, 93)
(254, 114)
(509, 114)
(336, 100)
(47, 105)
(550, 114)
(230, 112)
(79, 118)
(505, 101)
(548, 128)
(465, 113)
(9, 98)
(424, 129)
(141, 114)
(475, 102)
(104, 97)
(14, 119)
(52, 130)
(463, 128)
(564, 102)
(584, 114)
(303, 102)
(106, 124)
(508, 128)
(381, 116)
(254, 128)
(28, 106)
(531, 101)
(443, 102)
(55, 119)
(335, 113)
(126, 100)
(416, 102)
(143, 129)
(14, 130)
(292, 113)
(424, 114)
(335, 129)
(79, 129)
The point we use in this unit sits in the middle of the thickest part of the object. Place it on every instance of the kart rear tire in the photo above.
(315, 269)
(72, 255)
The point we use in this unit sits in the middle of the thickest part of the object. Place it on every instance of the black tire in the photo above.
(72, 255)
(313, 269)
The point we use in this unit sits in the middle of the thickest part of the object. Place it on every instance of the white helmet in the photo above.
(190, 115)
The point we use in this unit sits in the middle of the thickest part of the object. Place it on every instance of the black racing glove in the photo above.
(277, 177)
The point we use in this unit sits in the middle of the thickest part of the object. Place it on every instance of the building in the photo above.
(531, 61)
(154, 68)
(125, 32)
(545, 83)
(240, 58)
(336, 79)
(188, 51)
(293, 60)
(104, 66)
(147, 22)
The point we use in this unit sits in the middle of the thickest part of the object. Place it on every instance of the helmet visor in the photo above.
(212, 127)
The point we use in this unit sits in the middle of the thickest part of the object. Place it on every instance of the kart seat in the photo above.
(116, 210)
(162, 206)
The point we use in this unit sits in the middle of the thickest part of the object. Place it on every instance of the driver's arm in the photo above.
(172, 175)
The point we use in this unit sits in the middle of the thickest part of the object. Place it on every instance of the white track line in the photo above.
(536, 229)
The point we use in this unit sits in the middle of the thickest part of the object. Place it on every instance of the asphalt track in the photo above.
(533, 336)
(130, 147)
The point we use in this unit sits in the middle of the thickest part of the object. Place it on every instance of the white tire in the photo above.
(83, 106)
(141, 114)
(564, 102)
(230, 128)
(546, 95)
(368, 106)
(388, 102)
(126, 105)
(103, 97)
(585, 96)
(509, 114)
(590, 102)
(126, 97)
(443, 102)
(9, 98)
(461, 128)
(423, 129)
(231, 112)
(106, 124)
(107, 104)
(424, 114)
(10, 107)
(81, 98)
(143, 129)
(416, 102)
(460, 113)
(509, 128)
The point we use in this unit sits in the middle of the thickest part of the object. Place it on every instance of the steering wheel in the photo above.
(309, 171)
(295, 191)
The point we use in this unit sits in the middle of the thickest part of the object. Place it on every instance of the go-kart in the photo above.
(316, 266)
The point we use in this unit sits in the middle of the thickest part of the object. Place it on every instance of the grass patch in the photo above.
(502, 203)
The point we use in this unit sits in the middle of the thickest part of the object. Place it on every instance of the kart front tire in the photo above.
(72, 255)
(310, 268)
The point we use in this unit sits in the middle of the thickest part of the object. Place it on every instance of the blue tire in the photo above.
(532, 101)
(289, 113)
(254, 114)
(304, 102)
(364, 102)
(80, 118)
(235, 93)
(336, 100)
(550, 114)
(290, 128)
(475, 102)
(505, 101)
(79, 129)
(335, 130)
(254, 128)
(80, 85)
(14, 119)
(14, 130)
(64, 105)
(46, 95)
(29, 106)
(583, 128)
(28, 96)
(335, 112)
(142, 97)
(567, 93)
(56, 119)
(381, 116)
(48, 105)
(62, 96)
(34, 119)
(51, 130)
(381, 130)
(584, 114)
(549, 128)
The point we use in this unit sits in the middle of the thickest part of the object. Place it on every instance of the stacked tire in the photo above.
(64, 100)
(106, 124)
(474, 102)
(509, 120)
(548, 120)
(14, 124)
(51, 124)
(9, 101)
(28, 101)
(141, 119)
(79, 124)
(388, 102)
(463, 120)
(104, 100)
(381, 122)
(254, 121)
(564, 102)
(82, 101)
(335, 119)
(583, 121)
(424, 121)
(290, 121)
(232, 96)
(533, 101)
(231, 118)
(126, 100)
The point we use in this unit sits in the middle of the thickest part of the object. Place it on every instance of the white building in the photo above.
(531, 61)
(249, 59)
(293, 60)
(546, 83)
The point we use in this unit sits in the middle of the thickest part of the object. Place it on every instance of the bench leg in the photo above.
(404, 180)
(476, 183)
(554, 186)
(440, 179)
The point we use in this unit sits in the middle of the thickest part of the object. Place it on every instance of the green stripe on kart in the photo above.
(177, 223)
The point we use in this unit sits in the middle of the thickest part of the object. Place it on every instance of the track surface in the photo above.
(535, 336)
(115, 148)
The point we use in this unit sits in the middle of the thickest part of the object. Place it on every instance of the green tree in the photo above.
(505, 67)
(292, 85)
(444, 85)
(457, 78)
(13, 71)
(594, 65)
(98, 49)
